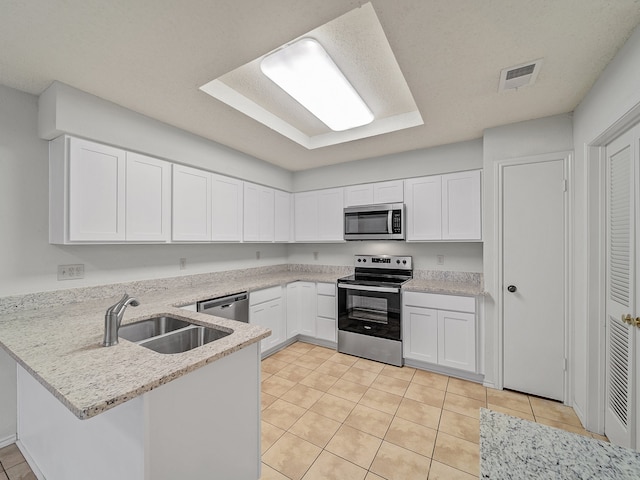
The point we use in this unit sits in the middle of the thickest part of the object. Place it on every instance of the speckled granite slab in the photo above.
(511, 448)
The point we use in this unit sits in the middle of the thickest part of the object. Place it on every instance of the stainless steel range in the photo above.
(369, 308)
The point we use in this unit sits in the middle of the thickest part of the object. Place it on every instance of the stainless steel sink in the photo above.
(169, 334)
(151, 327)
(184, 340)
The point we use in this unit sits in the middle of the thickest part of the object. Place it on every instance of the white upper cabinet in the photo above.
(259, 213)
(306, 216)
(388, 192)
(374, 193)
(102, 194)
(358, 195)
(191, 204)
(444, 207)
(319, 216)
(331, 215)
(423, 208)
(282, 216)
(461, 206)
(96, 192)
(148, 199)
(226, 208)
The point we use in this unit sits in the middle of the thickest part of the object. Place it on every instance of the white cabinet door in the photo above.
(226, 209)
(269, 315)
(148, 204)
(308, 299)
(267, 214)
(420, 333)
(457, 340)
(423, 201)
(388, 192)
(461, 206)
(251, 230)
(96, 192)
(258, 213)
(282, 216)
(294, 309)
(191, 204)
(331, 215)
(358, 195)
(306, 216)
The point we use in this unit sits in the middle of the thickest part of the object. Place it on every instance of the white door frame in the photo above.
(498, 175)
(595, 258)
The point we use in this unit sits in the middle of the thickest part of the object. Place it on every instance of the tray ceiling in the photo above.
(151, 56)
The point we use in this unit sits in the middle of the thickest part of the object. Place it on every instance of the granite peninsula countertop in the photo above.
(56, 336)
(512, 448)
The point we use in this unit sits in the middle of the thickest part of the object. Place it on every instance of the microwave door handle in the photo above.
(390, 221)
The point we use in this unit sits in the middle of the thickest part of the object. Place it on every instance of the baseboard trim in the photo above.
(32, 464)
(451, 372)
(6, 441)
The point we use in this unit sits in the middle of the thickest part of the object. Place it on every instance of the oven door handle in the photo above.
(367, 288)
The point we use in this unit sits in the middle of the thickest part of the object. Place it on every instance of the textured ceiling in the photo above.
(152, 55)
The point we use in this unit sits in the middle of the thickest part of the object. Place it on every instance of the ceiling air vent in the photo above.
(513, 78)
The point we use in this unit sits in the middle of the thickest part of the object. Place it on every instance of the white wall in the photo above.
(613, 100)
(458, 257)
(544, 135)
(30, 263)
(455, 157)
(64, 109)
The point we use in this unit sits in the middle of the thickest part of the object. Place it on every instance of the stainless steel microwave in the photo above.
(374, 222)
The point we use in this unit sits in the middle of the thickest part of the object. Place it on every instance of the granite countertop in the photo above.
(512, 448)
(56, 336)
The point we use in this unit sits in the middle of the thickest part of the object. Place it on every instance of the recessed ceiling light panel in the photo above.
(306, 72)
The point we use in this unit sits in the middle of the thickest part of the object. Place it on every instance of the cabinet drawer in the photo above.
(265, 295)
(327, 289)
(439, 302)
(326, 306)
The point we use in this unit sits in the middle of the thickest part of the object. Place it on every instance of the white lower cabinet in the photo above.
(301, 309)
(440, 329)
(326, 311)
(266, 309)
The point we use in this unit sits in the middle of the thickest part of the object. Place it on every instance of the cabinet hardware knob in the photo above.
(512, 288)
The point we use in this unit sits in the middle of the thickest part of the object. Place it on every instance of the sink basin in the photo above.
(184, 340)
(169, 334)
(151, 327)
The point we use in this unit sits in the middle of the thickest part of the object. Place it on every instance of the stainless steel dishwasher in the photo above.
(233, 307)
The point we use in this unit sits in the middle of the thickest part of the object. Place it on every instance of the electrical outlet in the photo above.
(257, 254)
(183, 264)
(440, 259)
(71, 272)
(315, 255)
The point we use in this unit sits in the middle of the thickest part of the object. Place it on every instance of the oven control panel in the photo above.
(384, 261)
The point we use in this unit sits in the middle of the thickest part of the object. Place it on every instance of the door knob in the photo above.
(627, 318)
(637, 322)
(512, 288)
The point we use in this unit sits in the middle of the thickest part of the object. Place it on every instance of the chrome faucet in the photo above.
(113, 319)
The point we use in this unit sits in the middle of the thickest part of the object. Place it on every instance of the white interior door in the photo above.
(534, 277)
(620, 283)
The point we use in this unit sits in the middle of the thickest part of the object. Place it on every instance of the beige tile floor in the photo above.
(327, 416)
(13, 465)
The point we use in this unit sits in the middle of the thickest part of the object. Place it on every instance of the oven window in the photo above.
(369, 309)
(369, 313)
(366, 222)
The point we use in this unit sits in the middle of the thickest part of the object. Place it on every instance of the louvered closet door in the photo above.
(620, 280)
